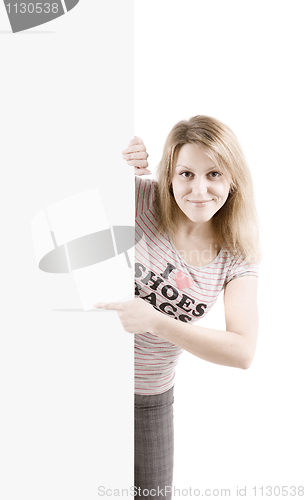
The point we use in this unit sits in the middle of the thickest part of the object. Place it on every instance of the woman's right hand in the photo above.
(136, 155)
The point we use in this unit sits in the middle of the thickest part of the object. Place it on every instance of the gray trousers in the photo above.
(153, 445)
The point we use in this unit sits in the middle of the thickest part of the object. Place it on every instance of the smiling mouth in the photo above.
(199, 203)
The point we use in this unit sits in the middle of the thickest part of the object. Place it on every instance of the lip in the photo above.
(201, 203)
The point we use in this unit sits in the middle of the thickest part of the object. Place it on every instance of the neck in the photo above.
(187, 228)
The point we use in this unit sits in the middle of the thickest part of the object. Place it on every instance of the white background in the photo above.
(66, 112)
(243, 63)
(66, 377)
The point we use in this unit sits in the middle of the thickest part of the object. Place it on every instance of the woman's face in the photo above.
(199, 187)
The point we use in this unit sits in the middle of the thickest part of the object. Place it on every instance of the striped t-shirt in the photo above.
(165, 280)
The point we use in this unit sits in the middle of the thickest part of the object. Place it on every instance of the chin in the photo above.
(199, 219)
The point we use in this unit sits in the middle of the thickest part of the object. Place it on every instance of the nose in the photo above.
(200, 186)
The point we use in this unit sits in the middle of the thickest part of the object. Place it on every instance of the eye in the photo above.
(215, 174)
(186, 174)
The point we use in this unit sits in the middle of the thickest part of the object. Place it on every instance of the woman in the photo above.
(197, 234)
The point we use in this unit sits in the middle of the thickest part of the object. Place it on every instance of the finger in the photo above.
(138, 163)
(142, 171)
(143, 155)
(113, 306)
(135, 140)
(134, 149)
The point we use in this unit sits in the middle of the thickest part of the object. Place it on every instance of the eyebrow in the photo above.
(183, 166)
(191, 169)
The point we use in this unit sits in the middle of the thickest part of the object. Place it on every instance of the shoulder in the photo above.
(238, 265)
(144, 182)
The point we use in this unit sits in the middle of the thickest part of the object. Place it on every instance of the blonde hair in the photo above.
(235, 224)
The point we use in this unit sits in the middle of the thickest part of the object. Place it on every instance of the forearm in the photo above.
(217, 346)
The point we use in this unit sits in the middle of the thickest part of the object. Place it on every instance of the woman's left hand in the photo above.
(136, 316)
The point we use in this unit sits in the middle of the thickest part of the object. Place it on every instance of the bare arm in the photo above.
(136, 155)
(233, 347)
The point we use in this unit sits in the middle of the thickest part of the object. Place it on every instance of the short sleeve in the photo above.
(144, 195)
(241, 267)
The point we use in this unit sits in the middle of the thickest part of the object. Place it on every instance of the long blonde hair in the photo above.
(235, 224)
